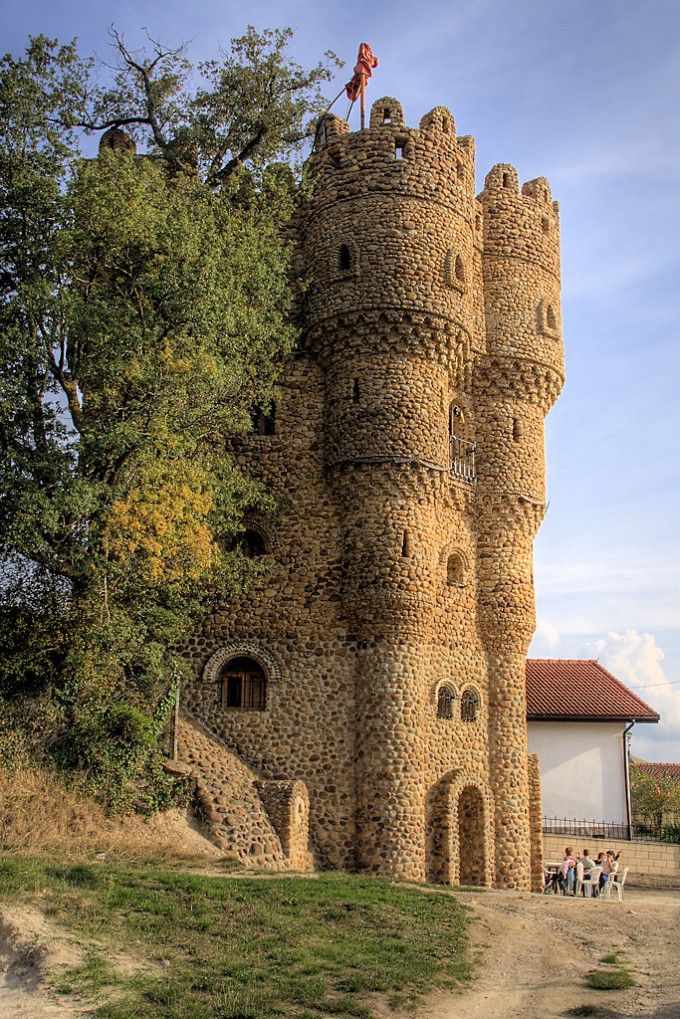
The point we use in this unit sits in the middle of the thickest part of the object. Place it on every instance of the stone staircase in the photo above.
(229, 793)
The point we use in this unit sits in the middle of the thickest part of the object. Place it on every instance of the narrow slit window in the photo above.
(399, 150)
(263, 421)
(506, 180)
(345, 258)
(550, 317)
(455, 570)
(387, 117)
(405, 545)
(356, 392)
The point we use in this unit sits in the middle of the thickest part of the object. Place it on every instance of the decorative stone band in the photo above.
(519, 378)
(497, 514)
(445, 341)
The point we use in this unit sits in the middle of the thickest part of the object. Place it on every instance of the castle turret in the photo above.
(390, 240)
(516, 383)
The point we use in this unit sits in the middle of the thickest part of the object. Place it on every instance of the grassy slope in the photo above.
(246, 948)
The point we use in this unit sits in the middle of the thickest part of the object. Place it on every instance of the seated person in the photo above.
(602, 861)
(568, 869)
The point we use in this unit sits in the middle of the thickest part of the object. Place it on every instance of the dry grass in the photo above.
(38, 814)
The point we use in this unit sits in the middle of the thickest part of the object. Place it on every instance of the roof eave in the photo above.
(591, 718)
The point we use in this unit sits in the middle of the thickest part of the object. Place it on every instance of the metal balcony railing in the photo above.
(462, 455)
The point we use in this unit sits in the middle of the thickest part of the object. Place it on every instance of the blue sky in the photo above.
(586, 94)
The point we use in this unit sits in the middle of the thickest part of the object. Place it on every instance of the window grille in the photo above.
(469, 706)
(243, 685)
(445, 702)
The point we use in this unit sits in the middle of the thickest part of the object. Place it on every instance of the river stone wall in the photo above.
(408, 464)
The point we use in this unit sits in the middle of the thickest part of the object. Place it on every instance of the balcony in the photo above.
(462, 458)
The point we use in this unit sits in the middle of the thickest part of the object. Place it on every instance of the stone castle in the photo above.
(363, 705)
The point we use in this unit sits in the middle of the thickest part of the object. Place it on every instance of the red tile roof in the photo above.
(580, 690)
(658, 771)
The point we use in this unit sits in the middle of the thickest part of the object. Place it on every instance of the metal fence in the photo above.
(640, 830)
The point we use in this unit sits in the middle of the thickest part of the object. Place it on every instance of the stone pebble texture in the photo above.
(408, 464)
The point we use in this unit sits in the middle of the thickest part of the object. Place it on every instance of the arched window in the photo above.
(344, 258)
(264, 422)
(243, 684)
(456, 420)
(251, 543)
(454, 270)
(445, 698)
(455, 570)
(469, 705)
(550, 317)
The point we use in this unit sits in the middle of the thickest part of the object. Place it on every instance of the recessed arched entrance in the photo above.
(471, 837)
(460, 836)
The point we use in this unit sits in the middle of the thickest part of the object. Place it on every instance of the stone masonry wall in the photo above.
(397, 573)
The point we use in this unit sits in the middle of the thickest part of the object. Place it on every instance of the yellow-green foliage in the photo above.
(145, 313)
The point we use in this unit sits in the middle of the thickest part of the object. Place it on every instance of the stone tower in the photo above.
(389, 637)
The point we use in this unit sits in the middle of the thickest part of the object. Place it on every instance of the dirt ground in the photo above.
(536, 951)
(534, 954)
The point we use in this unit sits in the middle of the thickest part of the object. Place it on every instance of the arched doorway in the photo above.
(471, 834)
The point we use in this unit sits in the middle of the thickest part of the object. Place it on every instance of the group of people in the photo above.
(565, 878)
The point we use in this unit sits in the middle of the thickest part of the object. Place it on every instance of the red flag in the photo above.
(362, 71)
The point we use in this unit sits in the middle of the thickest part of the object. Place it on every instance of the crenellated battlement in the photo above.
(429, 161)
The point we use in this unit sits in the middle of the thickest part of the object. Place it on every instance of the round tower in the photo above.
(516, 383)
(391, 241)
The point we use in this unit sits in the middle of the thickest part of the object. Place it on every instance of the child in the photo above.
(568, 869)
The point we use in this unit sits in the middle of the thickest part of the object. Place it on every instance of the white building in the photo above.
(578, 718)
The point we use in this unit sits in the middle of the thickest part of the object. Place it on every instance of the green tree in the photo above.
(656, 799)
(143, 311)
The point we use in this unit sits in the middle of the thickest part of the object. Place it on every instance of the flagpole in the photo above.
(363, 102)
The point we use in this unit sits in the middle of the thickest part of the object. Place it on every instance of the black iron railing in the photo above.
(463, 459)
(638, 831)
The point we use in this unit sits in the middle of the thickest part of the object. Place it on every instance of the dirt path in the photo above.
(536, 951)
(30, 948)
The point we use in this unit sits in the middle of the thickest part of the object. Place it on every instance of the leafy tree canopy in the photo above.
(143, 312)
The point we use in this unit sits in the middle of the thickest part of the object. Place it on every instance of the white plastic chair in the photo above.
(618, 883)
(592, 884)
(579, 878)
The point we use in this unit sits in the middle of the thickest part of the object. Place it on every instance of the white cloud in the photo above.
(546, 639)
(636, 659)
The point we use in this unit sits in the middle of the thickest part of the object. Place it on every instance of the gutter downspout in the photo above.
(626, 765)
